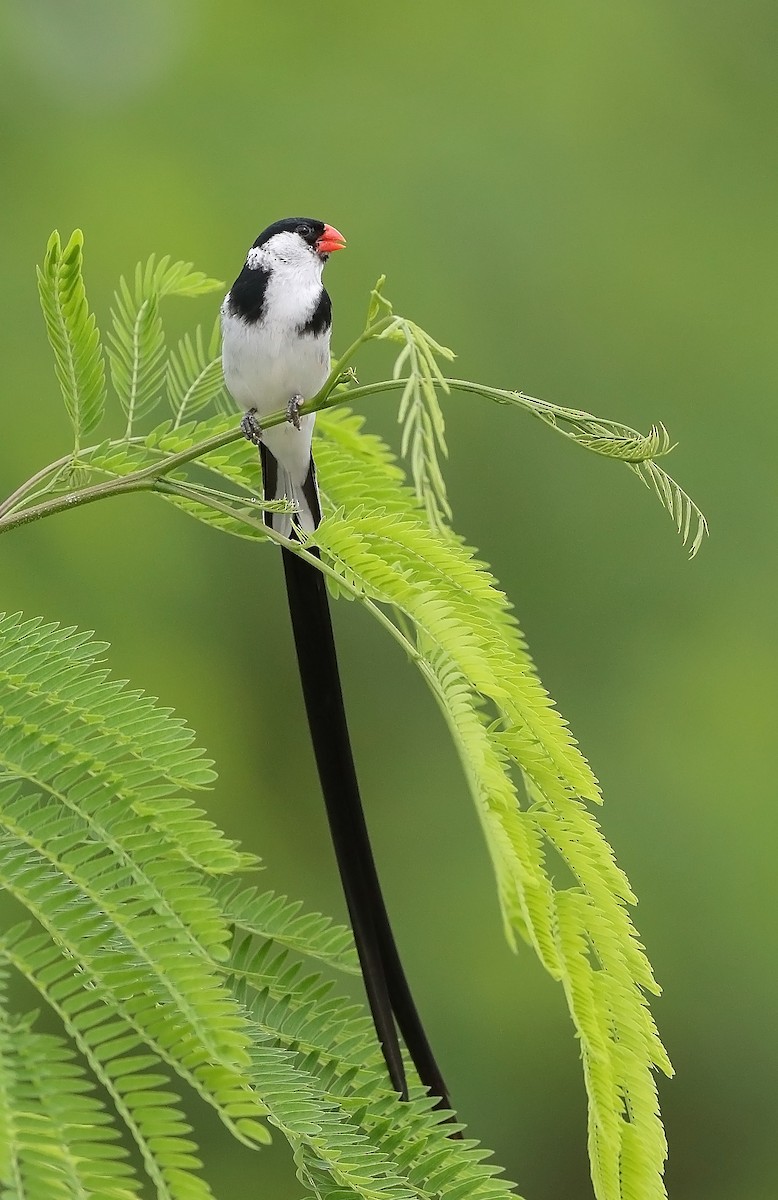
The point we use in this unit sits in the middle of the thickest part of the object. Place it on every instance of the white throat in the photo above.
(294, 283)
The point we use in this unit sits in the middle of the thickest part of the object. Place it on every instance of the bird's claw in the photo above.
(250, 427)
(293, 410)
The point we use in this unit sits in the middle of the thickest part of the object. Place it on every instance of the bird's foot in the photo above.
(293, 410)
(250, 427)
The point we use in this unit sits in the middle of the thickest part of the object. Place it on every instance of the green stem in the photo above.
(327, 397)
(360, 392)
(141, 480)
(544, 410)
(25, 488)
(99, 491)
(371, 331)
(144, 479)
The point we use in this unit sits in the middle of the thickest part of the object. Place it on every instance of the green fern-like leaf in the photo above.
(96, 852)
(687, 517)
(423, 433)
(194, 377)
(281, 921)
(57, 1139)
(136, 351)
(127, 949)
(307, 1116)
(350, 1111)
(315, 1032)
(120, 1062)
(72, 333)
(136, 348)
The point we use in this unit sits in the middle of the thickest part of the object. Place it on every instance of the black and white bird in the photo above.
(276, 326)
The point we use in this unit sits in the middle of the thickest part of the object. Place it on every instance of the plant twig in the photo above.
(325, 398)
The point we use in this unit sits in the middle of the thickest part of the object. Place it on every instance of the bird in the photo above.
(276, 329)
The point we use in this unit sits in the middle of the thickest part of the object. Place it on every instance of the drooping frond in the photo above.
(613, 439)
(72, 333)
(120, 1062)
(523, 887)
(95, 850)
(582, 934)
(687, 517)
(136, 347)
(420, 414)
(355, 1134)
(56, 1138)
(471, 653)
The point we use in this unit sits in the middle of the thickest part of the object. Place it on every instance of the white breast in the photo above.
(268, 362)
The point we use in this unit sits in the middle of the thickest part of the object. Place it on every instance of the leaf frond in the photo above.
(687, 517)
(354, 1133)
(72, 334)
(194, 377)
(420, 414)
(612, 439)
(101, 852)
(282, 921)
(120, 1062)
(136, 349)
(57, 1139)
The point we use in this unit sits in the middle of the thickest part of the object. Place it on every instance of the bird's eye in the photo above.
(304, 231)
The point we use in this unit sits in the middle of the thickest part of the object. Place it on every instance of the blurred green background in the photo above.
(581, 200)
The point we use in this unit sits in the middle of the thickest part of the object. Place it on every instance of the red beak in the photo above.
(330, 240)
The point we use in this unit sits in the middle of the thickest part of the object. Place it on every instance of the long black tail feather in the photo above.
(388, 992)
(320, 679)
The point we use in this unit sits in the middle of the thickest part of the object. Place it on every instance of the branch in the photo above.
(609, 438)
(146, 478)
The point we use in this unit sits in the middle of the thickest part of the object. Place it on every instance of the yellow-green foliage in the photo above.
(72, 333)
(531, 786)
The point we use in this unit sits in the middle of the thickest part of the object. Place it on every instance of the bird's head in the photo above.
(295, 241)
